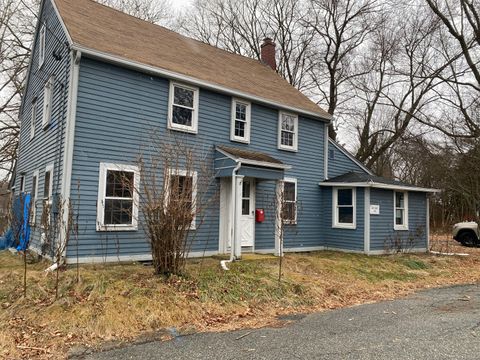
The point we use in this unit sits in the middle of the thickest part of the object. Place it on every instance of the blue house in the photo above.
(101, 82)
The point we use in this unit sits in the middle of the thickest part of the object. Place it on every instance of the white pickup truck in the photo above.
(466, 233)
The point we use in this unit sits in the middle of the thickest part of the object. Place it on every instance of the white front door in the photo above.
(247, 217)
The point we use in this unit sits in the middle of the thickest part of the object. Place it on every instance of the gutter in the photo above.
(223, 263)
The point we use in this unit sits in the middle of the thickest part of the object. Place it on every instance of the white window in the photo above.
(240, 127)
(41, 47)
(400, 211)
(22, 183)
(47, 102)
(181, 194)
(289, 215)
(48, 185)
(183, 108)
(117, 204)
(344, 208)
(33, 199)
(34, 118)
(287, 131)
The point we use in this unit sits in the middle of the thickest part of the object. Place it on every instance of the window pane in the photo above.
(182, 116)
(288, 123)
(399, 216)
(246, 206)
(345, 215)
(119, 184)
(46, 187)
(399, 199)
(246, 189)
(287, 138)
(182, 96)
(289, 191)
(118, 212)
(181, 192)
(239, 128)
(345, 197)
(289, 211)
(240, 111)
(34, 187)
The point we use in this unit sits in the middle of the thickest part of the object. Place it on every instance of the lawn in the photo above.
(125, 302)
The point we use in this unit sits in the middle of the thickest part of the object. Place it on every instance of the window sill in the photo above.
(345, 226)
(106, 228)
(186, 129)
(240, 140)
(284, 148)
(400, 227)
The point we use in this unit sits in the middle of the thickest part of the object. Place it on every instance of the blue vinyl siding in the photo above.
(118, 109)
(47, 145)
(341, 163)
(382, 234)
(348, 239)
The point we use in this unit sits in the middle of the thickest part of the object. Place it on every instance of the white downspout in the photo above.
(233, 200)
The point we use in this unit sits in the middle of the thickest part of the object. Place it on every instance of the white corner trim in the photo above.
(293, 148)
(248, 120)
(366, 225)
(189, 79)
(325, 151)
(350, 156)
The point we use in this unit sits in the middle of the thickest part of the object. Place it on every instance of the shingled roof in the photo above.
(105, 30)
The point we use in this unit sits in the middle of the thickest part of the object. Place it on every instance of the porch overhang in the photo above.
(252, 164)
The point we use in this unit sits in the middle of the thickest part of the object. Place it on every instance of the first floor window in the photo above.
(183, 108)
(240, 121)
(289, 215)
(33, 198)
(344, 207)
(401, 210)
(288, 131)
(22, 183)
(181, 197)
(118, 198)
(47, 195)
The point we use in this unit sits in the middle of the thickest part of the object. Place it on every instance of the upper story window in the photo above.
(289, 215)
(117, 204)
(41, 47)
(34, 118)
(240, 128)
(47, 102)
(344, 208)
(181, 196)
(287, 131)
(401, 210)
(183, 108)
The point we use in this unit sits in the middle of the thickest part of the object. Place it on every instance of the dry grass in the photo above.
(122, 302)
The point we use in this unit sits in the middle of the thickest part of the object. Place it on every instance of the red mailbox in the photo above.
(259, 215)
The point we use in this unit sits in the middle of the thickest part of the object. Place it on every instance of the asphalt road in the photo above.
(434, 324)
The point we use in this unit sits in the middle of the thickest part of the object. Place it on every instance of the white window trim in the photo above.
(193, 174)
(335, 223)
(295, 134)
(292, 180)
(246, 138)
(404, 226)
(171, 125)
(104, 167)
(33, 113)
(34, 200)
(41, 49)
(49, 168)
(47, 100)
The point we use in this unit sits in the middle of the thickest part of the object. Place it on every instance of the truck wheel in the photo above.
(468, 238)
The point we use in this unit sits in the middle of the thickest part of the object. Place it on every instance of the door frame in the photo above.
(253, 203)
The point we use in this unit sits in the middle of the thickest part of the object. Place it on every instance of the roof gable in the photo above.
(106, 30)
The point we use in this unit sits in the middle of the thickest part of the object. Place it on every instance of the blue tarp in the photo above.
(19, 232)
(25, 225)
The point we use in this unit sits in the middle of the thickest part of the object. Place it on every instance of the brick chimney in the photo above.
(267, 53)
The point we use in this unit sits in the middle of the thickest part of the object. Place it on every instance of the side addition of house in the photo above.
(101, 82)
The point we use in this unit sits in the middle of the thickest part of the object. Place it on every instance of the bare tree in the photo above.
(158, 11)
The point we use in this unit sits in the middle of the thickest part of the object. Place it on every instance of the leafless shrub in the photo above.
(399, 243)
